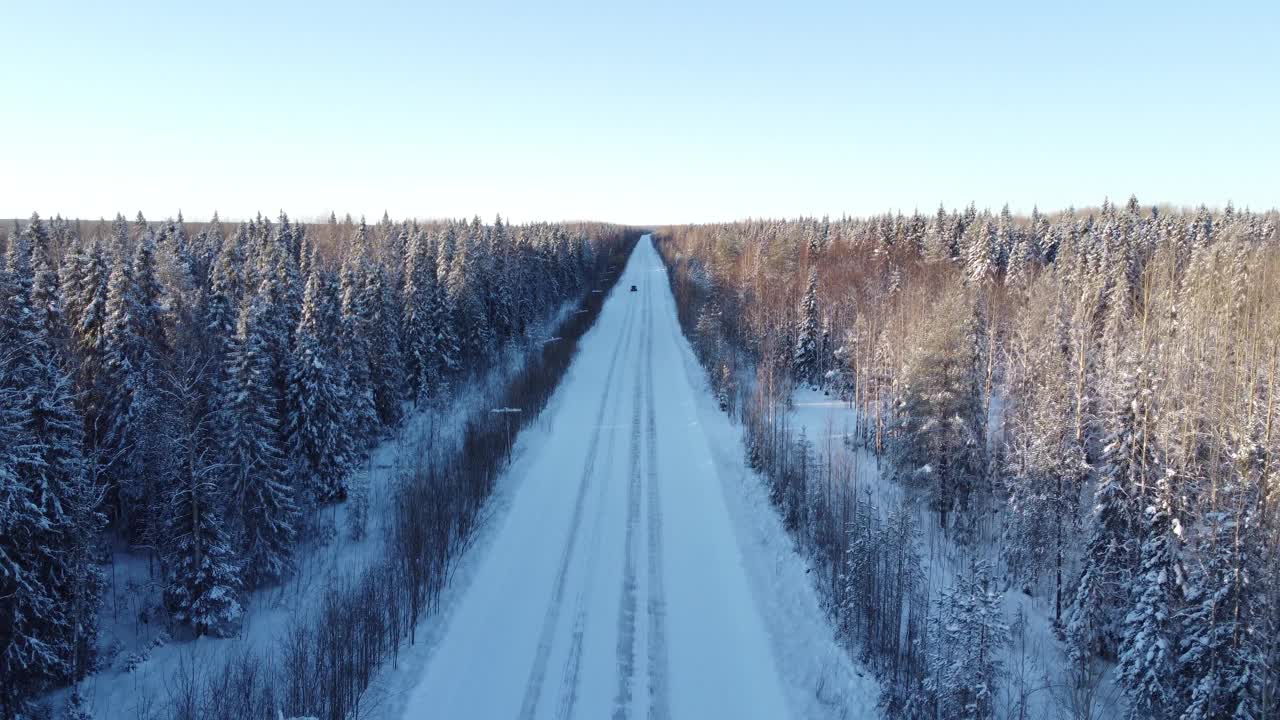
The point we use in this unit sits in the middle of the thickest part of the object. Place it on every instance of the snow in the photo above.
(139, 657)
(676, 568)
(1036, 661)
(630, 564)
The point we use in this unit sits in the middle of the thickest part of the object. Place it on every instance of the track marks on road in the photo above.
(538, 671)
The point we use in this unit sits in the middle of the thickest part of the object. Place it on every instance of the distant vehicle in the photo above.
(633, 288)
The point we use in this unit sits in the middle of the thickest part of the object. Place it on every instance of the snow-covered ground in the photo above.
(1034, 658)
(630, 565)
(141, 661)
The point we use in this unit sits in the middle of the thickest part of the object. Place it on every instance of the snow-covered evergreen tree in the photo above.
(1148, 646)
(317, 426)
(981, 253)
(499, 296)
(966, 638)
(356, 342)
(465, 284)
(420, 332)
(938, 443)
(1128, 463)
(1221, 627)
(48, 507)
(261, 497)
(806, 356)
(202, 571)
(386, 362)
(127, 403)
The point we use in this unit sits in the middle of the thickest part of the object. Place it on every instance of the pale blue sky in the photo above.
(642, 112)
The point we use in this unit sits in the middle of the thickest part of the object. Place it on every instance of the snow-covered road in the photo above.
(614, 584)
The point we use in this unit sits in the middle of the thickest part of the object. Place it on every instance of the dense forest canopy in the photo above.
(1081, 405)
(197, 390)
(1093, 394)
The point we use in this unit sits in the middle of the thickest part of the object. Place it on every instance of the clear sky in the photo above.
(641, 112)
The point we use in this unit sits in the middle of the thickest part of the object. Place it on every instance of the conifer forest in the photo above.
(670, 360)
(1047, 487)
(198, 393)
(1079, 407)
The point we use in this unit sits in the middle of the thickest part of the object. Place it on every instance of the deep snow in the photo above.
(632, 566)
(1034, 659)
(140, 662)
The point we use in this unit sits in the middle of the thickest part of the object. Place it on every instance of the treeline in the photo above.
(326, 662)
(199, 389)
(1092, 392)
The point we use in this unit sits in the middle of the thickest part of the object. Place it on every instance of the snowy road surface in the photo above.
(614, 585)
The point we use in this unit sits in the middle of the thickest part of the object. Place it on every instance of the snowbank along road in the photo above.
(614, 586)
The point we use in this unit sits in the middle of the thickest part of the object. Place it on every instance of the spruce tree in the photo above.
(1110, 552)
(981, 253)
(381, 326)
(1221, 628)
(465, 283)
(53, 505)
(806, 355)
(30, 614)
(317, 427)
(127, 405)
(262, 500)
(419, 320)
(356, 340)
(1148, 647)
(202, 571)
(499, 294)
(967, 635)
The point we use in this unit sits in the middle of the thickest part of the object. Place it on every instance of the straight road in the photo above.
(614, 586)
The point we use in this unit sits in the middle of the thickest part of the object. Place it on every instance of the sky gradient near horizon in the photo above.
(644, 112)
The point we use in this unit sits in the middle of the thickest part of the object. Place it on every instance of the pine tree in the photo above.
(182, 301)
(92, 303)
(226, 287)
(1046, 464)
(938, 445)
(937, 239)
(46, 298)
(148, 299)
(276, 270)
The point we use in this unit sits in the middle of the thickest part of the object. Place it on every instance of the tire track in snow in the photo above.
(627, 603)
(573, 663)
(659, 705)
(538, 672)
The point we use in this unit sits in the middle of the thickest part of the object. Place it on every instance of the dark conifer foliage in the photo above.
(196, 389)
